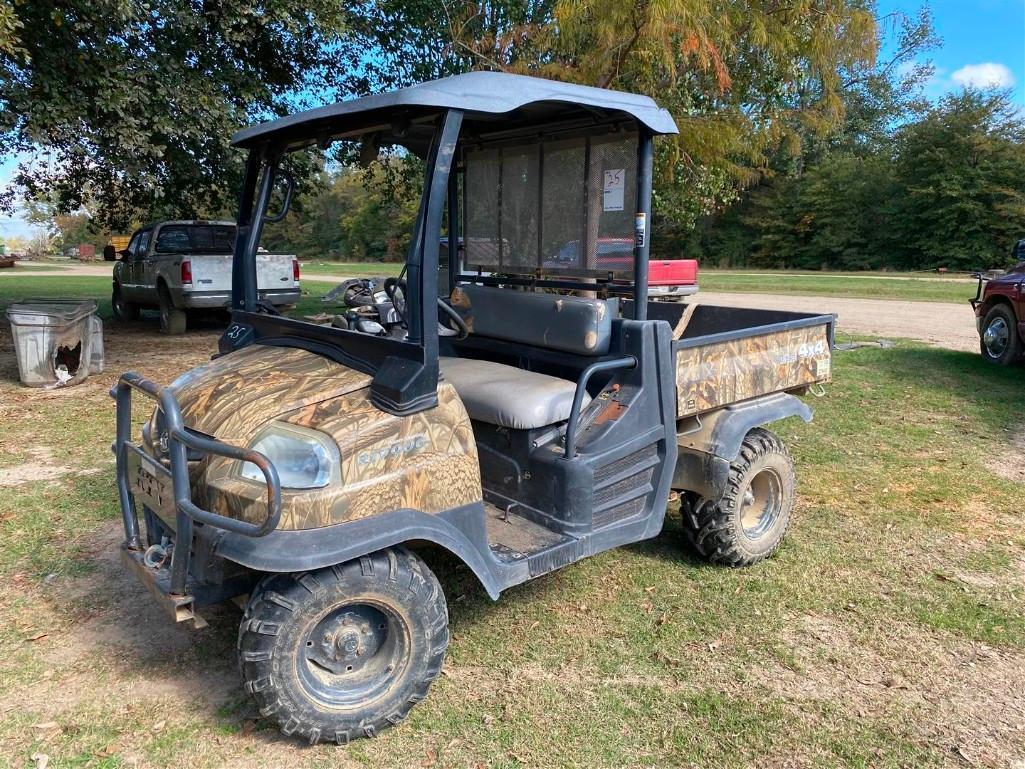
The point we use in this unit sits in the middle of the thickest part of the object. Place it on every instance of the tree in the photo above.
(354, 214)
(961, 172)
(130, 104)
(741, 77)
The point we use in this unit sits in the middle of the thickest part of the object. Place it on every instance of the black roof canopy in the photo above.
(486, 97)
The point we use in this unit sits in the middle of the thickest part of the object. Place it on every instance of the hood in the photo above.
(236, 394)
(1013, 275)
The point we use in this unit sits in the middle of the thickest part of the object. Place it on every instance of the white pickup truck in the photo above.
(186, 265)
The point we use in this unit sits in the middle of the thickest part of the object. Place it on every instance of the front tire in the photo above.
(344, 652)
(172, 320)
(748, 524)
(999, 342)
(124, 311)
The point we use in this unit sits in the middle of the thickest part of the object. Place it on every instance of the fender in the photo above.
(459, 530)
(706, 452)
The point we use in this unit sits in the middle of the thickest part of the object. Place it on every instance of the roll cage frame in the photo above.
(405, 373)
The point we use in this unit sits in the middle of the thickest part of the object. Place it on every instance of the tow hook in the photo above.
(157, 555)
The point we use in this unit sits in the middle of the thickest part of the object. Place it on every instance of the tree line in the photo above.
(121, 112)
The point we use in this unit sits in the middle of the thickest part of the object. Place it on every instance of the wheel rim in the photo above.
(761, 503)
(353, 654)
(996, 336)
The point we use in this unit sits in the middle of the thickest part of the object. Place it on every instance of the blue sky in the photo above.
(983, 42)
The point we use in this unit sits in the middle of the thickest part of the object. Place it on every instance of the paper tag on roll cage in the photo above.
(640, 229)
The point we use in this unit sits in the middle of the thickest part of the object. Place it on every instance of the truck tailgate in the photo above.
(672, 272)
(274, 271)
(725, 355)
(212, 272)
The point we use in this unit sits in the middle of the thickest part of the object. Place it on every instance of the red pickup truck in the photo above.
(999, 308)
(671, 278)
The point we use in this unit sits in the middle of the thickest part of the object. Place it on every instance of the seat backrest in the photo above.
(568, 323)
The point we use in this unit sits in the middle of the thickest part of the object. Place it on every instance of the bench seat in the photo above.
(508, 396)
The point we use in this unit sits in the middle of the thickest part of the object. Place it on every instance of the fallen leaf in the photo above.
(47, 726)
(159, 725)
(963, 755)
(41, 760)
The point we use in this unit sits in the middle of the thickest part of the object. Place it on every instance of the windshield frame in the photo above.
(405, 371)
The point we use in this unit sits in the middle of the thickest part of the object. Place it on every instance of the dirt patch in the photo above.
(943, 324)
(964, 698)
(106, 624)
(1009, 464)
(41, 467)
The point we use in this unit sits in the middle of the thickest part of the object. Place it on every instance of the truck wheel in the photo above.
(344, 652)
(748, 524)
(1000, 342)
(172, 320)
(124, 310)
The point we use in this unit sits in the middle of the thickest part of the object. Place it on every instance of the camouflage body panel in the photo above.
(232, 396)
(426, 461)
(717, 374)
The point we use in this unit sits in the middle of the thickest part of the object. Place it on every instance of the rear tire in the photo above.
(344, 652)
(748, 524)
(172, 321)
(999, 341)
(124, 311)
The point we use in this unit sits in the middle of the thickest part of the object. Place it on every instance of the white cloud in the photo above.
(987, 75)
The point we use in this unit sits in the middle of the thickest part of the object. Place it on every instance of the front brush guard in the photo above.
(168, 483)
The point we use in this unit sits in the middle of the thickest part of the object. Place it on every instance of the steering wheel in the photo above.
(395, 288)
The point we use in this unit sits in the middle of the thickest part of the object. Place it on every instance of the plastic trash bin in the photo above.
(96, 340)
(55, 340)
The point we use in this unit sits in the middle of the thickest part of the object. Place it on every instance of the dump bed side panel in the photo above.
(716, 374)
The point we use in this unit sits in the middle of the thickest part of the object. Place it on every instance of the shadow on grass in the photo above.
(958, 382)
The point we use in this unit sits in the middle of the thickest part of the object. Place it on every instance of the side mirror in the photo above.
(109, 253)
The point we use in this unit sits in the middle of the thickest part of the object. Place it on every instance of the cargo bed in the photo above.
(724, 355)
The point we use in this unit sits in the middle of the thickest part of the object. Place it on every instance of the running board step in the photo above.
(514, 538)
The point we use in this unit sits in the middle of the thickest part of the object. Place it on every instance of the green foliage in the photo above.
(353, 215)
(947, 190)
(745, 79)
(129, 105)
(960, 200)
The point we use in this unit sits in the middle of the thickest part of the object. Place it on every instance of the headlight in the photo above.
(304, 459)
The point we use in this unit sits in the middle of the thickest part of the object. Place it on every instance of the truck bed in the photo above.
(725, 355)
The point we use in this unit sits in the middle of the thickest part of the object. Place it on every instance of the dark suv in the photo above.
(999, 308)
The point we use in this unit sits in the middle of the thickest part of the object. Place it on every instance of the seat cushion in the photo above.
(568, 323)
(508, 396)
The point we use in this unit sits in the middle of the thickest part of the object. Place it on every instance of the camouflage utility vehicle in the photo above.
(540, 412)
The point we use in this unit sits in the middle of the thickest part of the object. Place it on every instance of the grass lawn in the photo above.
(903, 286)
(852, 285)
(889, 631)
(896, 286)
(352, 269)
(20, 287)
